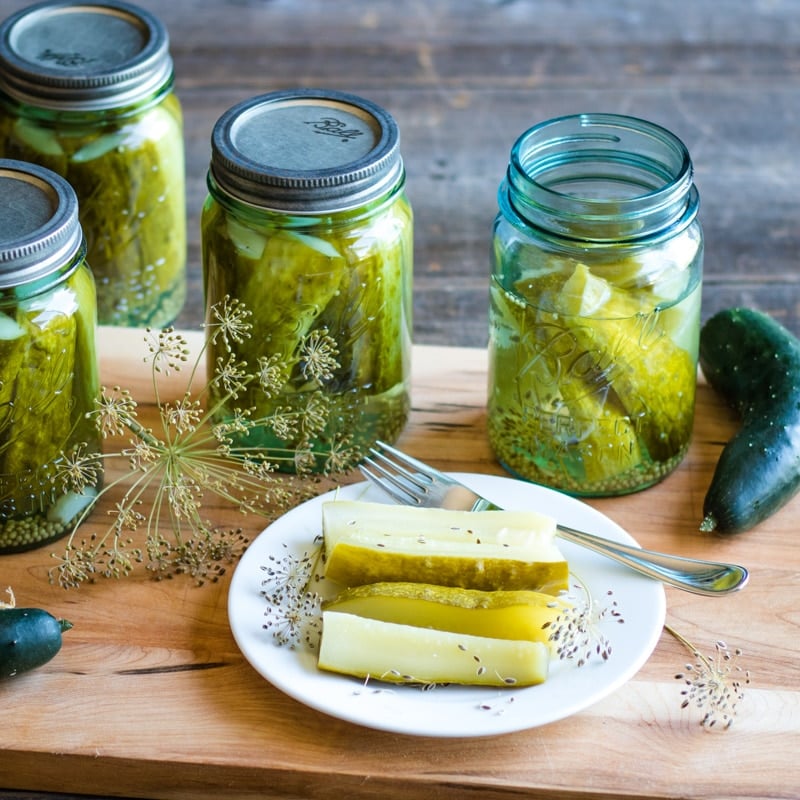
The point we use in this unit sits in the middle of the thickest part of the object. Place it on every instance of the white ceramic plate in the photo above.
(452, 711)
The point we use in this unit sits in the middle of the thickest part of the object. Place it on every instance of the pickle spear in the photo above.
(374, 542)
(42, 398)
(12, 354)
(555, 401)
(652, 376)
(501, 614)
(386, 651)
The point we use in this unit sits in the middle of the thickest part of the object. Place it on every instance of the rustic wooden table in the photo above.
(152, 698)
(465, 77)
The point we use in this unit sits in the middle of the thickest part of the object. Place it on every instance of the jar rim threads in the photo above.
(600, 177)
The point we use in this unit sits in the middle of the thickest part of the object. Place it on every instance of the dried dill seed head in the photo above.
(713, 684)
(293, 611)
(191, 455)
(576, 632)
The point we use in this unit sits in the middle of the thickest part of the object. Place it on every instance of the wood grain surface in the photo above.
(150, 697)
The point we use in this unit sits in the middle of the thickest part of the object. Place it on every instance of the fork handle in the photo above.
(690, 574)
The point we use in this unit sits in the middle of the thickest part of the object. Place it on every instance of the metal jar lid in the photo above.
(39, 227)
(83, 56)
(306, 151)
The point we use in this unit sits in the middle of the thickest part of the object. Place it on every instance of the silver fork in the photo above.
(412, 482)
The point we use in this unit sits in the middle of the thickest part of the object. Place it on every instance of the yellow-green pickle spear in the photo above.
(374, 542)
(520, 614)
(652, 376)
(387, 651)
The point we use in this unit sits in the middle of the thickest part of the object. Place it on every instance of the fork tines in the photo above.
(389, 469)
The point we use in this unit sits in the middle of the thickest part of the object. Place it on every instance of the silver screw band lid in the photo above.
(83, 56)
(39, 227)
(306, 151)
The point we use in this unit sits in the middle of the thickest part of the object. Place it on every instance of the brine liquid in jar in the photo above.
(308, 228)
(48, 366)
(595, 306)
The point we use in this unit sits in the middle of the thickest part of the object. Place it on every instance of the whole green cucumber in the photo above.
(754, 363)
(29, 637)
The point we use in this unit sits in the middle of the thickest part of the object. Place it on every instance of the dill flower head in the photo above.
(713, 684)
(190, 455)
(576, 633)
(293, 612)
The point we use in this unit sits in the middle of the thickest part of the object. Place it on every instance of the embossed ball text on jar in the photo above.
(595, 306)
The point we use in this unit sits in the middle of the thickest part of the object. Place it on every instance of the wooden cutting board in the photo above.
(150, 697)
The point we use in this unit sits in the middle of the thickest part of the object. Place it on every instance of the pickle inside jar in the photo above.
(340, 291)
(593, 384)
(48, 386)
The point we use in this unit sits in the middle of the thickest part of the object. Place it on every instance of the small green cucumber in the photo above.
(754, 363)
(29, 638)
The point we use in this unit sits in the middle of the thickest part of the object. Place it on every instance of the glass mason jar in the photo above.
(307, 225)
(595, 306)
(86, 89)
(48, 366)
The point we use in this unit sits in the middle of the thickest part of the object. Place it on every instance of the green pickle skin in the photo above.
(48, 384)
(593, 365)
(347, 276)
(127, 170)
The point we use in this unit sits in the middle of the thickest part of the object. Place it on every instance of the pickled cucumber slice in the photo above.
(651, 375)
(386, 651)
(43, 397)
(12, 354)
(565, 411)
(500, 615)
(373, 542)
(130, 187)
(662, 271)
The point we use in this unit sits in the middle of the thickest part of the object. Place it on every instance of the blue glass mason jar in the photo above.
(595, 305)
(86, 89)
(308, 226)
(48, 365)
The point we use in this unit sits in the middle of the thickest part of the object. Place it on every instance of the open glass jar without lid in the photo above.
(86, 89)
(307, 225)
(595, 305)
(48, 367)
